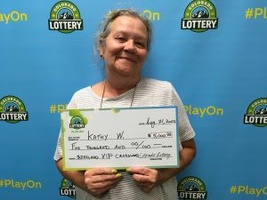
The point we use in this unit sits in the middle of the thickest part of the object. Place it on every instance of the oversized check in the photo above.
(120, 138)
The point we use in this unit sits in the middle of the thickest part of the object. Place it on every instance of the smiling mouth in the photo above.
(128, 59)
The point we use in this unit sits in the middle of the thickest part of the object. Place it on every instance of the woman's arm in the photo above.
(187, 154)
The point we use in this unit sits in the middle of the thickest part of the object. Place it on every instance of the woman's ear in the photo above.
(101, 48)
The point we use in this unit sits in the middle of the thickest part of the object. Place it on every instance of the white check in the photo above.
(120, 138)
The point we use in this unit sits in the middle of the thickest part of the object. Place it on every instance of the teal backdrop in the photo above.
(216, 61)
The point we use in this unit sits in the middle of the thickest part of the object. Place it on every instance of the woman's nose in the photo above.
(130, 46)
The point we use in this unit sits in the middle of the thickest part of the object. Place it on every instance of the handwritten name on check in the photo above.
(120, 138)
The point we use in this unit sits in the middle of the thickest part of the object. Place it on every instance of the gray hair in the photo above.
(112, 15)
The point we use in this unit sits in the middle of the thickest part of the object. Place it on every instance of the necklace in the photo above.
(103, 93)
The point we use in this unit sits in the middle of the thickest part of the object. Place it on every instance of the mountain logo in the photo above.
(65, 17)
(12, 110)
(77, 120)
(256, 113)
(67, 189)
(200, 16)
(191, 188)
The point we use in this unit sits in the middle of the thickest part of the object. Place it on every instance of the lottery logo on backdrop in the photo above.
(256, 113)
(12, 110)
(200, 16)
(67, 189)
(65, 17)
(191, 188)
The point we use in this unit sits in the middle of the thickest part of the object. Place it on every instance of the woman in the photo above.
(124, 42)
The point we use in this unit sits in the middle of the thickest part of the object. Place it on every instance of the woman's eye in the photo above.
(140, 44)
(121, 39)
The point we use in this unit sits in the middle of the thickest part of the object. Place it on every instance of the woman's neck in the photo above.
(116, 87)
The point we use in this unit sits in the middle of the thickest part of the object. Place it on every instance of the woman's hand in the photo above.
(100, 180)
(145, 178)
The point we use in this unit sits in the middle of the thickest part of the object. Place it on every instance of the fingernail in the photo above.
(119, 175)
(114, 171)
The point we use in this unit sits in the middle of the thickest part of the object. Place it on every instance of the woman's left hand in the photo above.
(146, 178)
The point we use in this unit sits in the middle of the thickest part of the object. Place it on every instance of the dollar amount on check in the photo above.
(120, 138)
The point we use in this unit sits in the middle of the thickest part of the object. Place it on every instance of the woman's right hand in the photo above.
(100, 180)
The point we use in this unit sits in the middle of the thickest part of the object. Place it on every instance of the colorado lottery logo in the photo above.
(67, 189)
(78, 120)
(12, 110)
(256, 113)
(65, 17)
(191, 188)
(200, 16)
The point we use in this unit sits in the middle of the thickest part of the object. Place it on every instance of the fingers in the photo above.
(144, 174)
(100, 171)
(145, 178)
(100, 180)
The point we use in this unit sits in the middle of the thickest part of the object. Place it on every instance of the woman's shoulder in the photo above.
(83, 98)
(156, 83)
(85, 91)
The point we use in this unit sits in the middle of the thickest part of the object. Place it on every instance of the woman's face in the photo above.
(125, 48)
